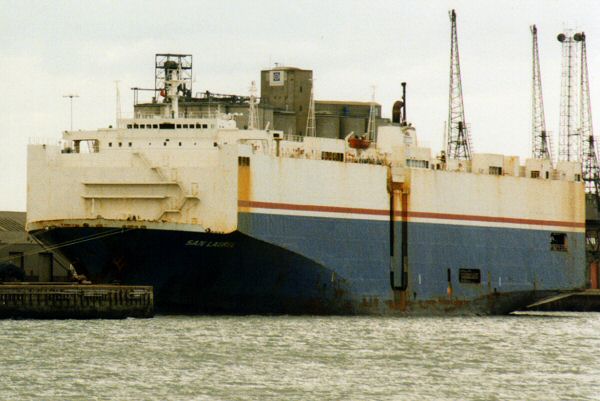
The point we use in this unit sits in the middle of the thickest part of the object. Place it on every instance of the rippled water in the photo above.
(549, 357)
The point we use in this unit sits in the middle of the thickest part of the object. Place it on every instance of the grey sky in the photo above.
(53, 48)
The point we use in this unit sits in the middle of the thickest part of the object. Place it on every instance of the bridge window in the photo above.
(167, 126)
(243, 161)
(535, 174)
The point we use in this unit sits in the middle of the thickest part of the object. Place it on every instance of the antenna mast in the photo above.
(118, 104)
(371, 125)
(540, 146)
(310, 121)
(459, 140)
(252, 113)
(569, 138)
(590, 156)
(71, 96)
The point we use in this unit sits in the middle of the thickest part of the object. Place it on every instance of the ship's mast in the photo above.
(311, 129)
(173, 91)
(569, 138)
(590, 156)
(371, 125)
(118, 104)
(540, 147)
(172, 76)
(252, 112)
(71, 96)
(459, 140)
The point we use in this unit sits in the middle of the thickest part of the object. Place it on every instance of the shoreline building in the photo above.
(18, 248)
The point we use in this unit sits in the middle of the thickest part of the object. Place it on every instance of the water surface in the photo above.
(546, 357)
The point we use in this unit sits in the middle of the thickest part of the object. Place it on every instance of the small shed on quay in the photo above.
(21, 250)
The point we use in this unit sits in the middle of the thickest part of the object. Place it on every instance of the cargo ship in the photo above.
(227, 220)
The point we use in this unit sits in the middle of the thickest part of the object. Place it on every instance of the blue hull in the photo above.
(280, 264)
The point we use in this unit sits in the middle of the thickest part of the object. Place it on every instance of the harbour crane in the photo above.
(569, 138)
(458, 137)
(540, 147)
(589, 155)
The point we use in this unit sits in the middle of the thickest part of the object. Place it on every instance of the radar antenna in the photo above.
(459, 137)
(540, 146)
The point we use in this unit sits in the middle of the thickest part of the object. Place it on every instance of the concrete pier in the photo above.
(75, 301)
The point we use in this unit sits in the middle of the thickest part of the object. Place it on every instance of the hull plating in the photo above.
(293, 264)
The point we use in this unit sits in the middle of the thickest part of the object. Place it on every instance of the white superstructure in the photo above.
(183, 173)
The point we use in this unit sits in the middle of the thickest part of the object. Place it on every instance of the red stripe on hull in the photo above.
(404, 215)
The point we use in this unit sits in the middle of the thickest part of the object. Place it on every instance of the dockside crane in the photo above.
(458, 136)
(589, 159)
(569, 138)
(541, 144)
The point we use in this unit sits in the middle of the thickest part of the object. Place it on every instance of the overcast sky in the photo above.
(50, 49)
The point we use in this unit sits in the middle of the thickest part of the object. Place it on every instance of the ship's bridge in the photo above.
(163, 133)
(224, 122)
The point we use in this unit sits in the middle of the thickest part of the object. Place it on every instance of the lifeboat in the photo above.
(357, 142)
